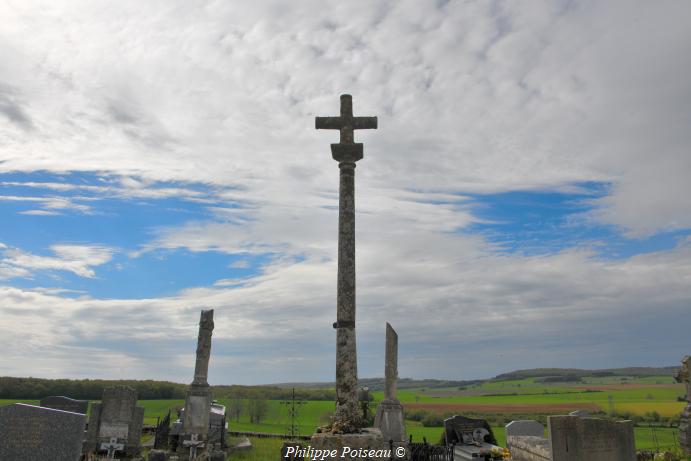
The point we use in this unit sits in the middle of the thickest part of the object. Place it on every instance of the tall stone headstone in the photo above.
(116, 421)
(59, 402)
(573, 438)
(346, 153)
(195, 420)
(523, 428)
(31, 433)
(684, 376)
(346, 428)
(389, 417)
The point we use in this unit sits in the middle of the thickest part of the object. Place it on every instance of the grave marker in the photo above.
(573, 438)
(32, 433)
(59, 402)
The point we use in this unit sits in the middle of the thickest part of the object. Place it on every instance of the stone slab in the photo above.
(573, 438)
(196, 415)
(390, 420)
(59, 402)
(526, 427)
(358, 445)
(529, 448)
(31, 433)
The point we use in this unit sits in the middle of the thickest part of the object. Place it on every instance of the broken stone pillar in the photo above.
(390, 418)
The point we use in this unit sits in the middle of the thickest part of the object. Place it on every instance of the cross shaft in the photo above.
(346, 153)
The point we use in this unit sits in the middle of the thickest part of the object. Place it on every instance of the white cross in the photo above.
(193, 443)
(112, 447)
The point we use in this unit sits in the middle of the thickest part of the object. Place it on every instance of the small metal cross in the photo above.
(112, 447)
(347, 150)
(193, 443)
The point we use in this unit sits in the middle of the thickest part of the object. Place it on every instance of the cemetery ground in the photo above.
(651, 401)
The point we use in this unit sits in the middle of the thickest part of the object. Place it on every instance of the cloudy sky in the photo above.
(524, 202)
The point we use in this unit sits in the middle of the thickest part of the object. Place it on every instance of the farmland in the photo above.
(651, 400)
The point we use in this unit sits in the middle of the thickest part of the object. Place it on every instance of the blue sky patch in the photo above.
(545, 222)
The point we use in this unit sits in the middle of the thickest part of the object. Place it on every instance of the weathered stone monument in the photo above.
(59, 402)
(346, 428)
(389, 418)
(684, 376)
(115, 424)
(31, 433)
(194, 437)
(346, 153)
(575, 438)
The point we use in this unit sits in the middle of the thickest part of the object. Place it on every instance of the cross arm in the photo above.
(328, 123)
(364, 123)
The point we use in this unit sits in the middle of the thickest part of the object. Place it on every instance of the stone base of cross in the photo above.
(112, 446)
(193, 444)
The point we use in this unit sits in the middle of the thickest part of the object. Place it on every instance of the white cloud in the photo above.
(471, 97)
(78, 259)
(566, 309)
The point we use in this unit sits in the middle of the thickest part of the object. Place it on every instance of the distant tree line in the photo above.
(92, 389)
(85, 389)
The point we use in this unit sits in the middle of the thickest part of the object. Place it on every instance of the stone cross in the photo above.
(193, 444)
(346, 153)
(201, 366)
(391, 363)
(112, 447)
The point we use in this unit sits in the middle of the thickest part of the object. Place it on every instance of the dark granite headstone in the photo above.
(59, 402)
(459, 429)
(31, 433)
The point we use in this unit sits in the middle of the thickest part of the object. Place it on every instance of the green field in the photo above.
(497, 401)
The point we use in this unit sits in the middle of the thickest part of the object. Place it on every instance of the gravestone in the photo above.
(117, 420)
(684, 376)
(390, 418)
(459, 429)
(529, 448)
(526, 441)
(31, 433)
(59, 402)
(473, 438)
(590, 439)
(194, 433)
(524, 428)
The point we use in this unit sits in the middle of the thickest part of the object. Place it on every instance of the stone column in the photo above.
(391, 363)
(195, 421)
(390, 418)
(201, 366)
(347, 413)
(347, 417)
